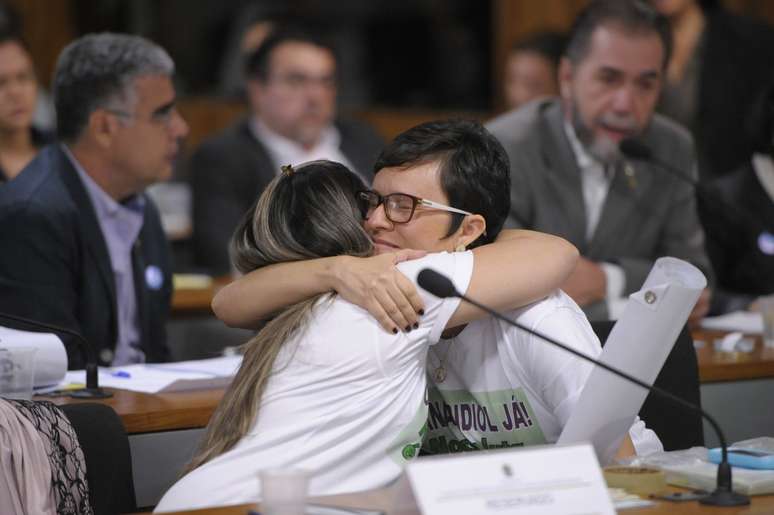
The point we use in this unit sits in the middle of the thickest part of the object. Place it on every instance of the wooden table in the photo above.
(382, 500)
(149, 413)
(717, 366)
(157, 423)
(196, 301)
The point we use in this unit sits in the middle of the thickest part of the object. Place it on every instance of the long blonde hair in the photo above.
(306, 213)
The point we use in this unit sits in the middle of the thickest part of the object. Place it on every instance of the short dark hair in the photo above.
(257, 62)
(474, 168)
(547, 43)
(97, 71)
(636, 16)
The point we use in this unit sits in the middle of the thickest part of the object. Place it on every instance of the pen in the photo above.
(121, 373)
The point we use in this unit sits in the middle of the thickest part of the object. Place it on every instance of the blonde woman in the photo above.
(322, 386)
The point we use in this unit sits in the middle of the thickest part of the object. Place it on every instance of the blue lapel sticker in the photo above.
(153, 277)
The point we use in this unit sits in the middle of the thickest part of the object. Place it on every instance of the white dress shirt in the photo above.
(595, 183)
(284, 151)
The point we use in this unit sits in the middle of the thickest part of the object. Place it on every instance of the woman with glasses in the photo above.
(485, 364)
(322, 387)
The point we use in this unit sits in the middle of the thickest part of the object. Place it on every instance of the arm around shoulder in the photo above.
(519, 268)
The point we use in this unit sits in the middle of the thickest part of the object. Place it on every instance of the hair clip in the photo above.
(287, 170)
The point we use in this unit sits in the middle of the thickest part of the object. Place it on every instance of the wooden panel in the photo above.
(391, 122)
(515, 19)
(206, 116)
(48, 27)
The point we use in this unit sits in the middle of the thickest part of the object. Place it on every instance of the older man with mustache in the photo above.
(569, 178)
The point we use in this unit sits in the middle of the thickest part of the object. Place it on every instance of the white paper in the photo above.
(638, 345)
(50, 360)
(165, 377)
(744, 321)
(534, 480)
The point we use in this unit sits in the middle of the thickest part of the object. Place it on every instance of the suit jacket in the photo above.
(651, 216)
(230, 170)
(736, 65)
(738, 216)
(55, 266)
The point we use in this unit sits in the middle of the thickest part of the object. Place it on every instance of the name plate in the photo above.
(535, 480)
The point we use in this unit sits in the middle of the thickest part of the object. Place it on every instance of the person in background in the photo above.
(720, 64)
(291, 91)
(531, 68)
(82, 245)
(737, 210)
(19, 139)
(569, 177)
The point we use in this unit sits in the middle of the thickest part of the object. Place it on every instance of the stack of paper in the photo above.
(744, 321)
(164, 377)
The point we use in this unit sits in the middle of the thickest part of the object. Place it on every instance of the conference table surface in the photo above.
(143, 412)
(382, 500)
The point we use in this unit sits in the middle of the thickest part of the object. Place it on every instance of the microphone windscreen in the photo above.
(635, 149)
(437, 284)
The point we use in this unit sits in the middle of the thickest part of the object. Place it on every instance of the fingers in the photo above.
(394, 315)
(410, 294)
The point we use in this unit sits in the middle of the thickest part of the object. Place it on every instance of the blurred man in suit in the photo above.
(569, 178)
(291, 90)
(83, 247)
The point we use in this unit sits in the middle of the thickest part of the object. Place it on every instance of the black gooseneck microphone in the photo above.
(635, 149)
(92, 389)
(440, 286)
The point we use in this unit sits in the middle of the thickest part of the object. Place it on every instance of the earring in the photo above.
(460, 248)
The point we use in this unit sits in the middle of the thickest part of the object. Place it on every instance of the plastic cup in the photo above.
(283, 491)
(17, 369)
(767, 310)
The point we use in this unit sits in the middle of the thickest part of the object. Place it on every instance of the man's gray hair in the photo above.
(97, 71)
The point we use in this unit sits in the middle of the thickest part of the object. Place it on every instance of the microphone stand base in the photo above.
(723, 497)
(90, 393)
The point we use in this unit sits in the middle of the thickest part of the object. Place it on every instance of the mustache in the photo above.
(618, 122)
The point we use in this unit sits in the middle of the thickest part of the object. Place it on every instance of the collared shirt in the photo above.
(284, 151)
(595, 183)
(764, 170)
(120, 224)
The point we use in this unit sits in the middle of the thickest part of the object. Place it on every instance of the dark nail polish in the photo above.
(394, 330)
(408, 328)
(421, 311)
(416, 325)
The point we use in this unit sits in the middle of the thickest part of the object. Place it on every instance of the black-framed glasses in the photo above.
(398, 207)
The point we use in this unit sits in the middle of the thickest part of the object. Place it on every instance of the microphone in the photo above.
(440, 286)
(92, 389)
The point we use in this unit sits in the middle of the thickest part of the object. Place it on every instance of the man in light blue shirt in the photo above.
(85, 246)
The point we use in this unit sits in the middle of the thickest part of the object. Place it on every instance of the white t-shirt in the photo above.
(507, 388)
(346, 402)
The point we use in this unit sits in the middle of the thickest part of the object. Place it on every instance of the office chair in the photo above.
(677, 427)
(105, 447)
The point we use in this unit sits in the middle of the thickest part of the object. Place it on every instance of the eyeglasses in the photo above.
(162, 117)
(398, 207)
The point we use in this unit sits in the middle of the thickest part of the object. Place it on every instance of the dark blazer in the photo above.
(738, 217)
(230, 170)
(652, 216)
(736, 64)
(55, 266)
